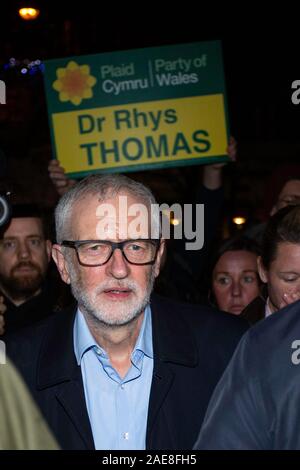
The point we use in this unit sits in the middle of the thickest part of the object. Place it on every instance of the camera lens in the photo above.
(4, 210)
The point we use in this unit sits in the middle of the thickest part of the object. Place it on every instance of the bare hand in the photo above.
(58, 177)
(212, 174)
(3, 309)
(231, 152)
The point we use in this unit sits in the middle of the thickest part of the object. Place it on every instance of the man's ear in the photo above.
(261, 270)
(61, 263)
(160, 257)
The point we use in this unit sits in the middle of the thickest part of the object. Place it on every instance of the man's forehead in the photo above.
(93, 200)
(21, 225)
(109, 218)
(124, 205)
(291, 188)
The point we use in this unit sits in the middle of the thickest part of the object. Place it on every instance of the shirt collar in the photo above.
(84, 340)
(144, 342)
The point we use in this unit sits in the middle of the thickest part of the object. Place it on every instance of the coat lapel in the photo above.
(173, 343)
(161, 383)
(71, 397)
(57, 369)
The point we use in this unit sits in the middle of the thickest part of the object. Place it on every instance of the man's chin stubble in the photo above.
(105, 320)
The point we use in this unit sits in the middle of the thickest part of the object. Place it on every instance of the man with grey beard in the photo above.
(124, 369)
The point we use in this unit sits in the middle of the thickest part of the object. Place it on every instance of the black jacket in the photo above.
(32, 311)
(54, 296)
(255, 311)
(256, 403)
(191, 345)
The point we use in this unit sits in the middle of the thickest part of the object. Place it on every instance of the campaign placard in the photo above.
(139, 109)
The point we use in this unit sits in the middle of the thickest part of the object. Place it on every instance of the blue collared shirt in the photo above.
(117, 408)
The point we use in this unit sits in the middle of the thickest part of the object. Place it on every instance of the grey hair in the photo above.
(105, 187)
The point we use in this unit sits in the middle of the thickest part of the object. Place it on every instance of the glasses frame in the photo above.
(75, 244)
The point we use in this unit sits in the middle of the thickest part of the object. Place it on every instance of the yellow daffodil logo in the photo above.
(74, 83)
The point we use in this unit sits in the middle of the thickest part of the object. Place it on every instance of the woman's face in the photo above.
(283, 276)
(235, 280)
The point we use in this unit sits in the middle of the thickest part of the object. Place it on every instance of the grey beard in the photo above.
(97, 315)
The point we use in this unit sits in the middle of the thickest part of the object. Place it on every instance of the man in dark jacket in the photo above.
(256, 403)
(121, 371)
(27, 291)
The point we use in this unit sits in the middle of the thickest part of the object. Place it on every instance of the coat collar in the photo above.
(57, 361)
(173, 344)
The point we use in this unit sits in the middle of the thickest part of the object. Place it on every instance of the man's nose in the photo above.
(117, 265)
(24, 251)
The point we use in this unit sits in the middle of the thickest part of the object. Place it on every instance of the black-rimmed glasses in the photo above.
(99, 252)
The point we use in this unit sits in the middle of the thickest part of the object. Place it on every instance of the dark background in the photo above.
(261, 60)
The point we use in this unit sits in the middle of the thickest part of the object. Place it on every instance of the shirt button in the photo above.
(126, 436)
(122, 386)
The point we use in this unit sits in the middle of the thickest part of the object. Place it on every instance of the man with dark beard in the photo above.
(25, 296)
(124, 369)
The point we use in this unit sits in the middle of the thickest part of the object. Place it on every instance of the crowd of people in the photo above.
(130, 341)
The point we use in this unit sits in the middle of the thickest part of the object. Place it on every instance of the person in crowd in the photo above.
(286, 188)
(125, 369)
(183, 272)
(26, 294)
(288, 196)
(235, 281)
(22, 426)
(255, 406)
(255, 403)
(279, 263)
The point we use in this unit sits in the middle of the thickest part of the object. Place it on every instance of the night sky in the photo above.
(261, 53)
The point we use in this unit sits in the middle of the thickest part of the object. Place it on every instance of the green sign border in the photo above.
(149, 166)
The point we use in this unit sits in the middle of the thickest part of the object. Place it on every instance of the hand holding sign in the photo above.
(212, 174)
(59, 178)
